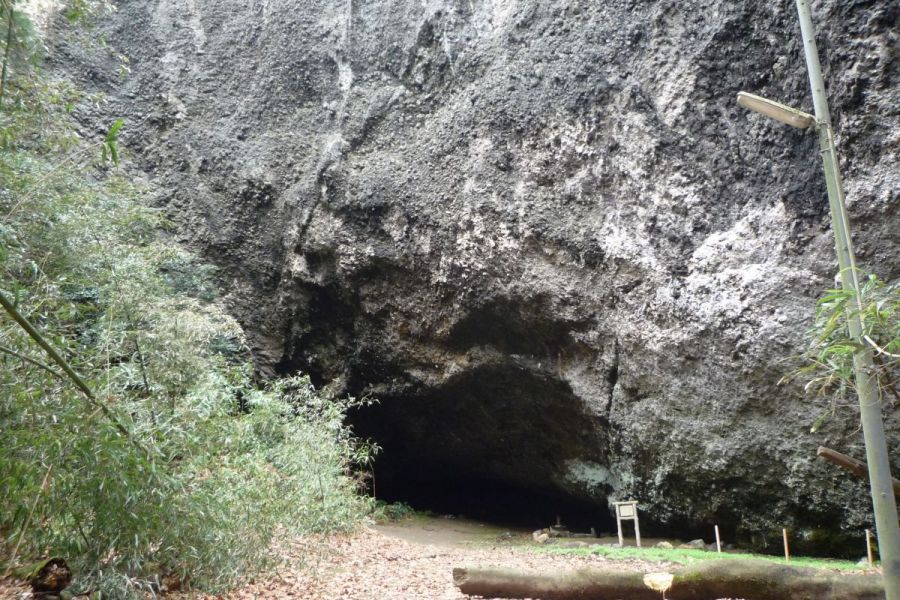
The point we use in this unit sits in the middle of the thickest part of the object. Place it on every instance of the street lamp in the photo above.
(885, 506)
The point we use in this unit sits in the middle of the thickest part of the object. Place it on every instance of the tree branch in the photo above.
(878, 348)
(857, 467)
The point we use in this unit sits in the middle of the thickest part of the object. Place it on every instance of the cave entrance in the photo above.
(493, 443)
(446, 490)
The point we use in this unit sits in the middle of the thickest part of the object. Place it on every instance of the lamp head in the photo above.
(775, 110)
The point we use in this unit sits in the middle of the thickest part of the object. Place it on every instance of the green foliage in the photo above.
(24, 90)
(391, 511)
(111, 143)
(828, 361)
(22, 48)
(84, 12)
(212, 469)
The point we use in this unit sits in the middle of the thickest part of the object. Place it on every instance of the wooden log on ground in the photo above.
(727, 578)
(855, 466)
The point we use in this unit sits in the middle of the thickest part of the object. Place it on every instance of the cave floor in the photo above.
(449, 531)
(415, 562)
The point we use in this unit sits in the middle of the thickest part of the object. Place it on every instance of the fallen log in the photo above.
(855, 466)
(726, 578)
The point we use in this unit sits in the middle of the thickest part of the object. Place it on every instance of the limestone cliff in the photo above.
(541, 232)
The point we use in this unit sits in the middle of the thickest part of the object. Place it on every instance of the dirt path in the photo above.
(408, 560)
(451, 532)
(414, 559)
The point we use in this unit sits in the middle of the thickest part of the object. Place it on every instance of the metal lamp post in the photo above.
(867, 387)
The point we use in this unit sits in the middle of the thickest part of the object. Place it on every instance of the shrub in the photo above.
(207, 469)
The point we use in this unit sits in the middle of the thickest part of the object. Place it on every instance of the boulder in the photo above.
(664, 545)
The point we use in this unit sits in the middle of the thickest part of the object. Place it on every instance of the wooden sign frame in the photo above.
(627, 511)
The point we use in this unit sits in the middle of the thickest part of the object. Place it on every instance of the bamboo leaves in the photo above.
(828, 359)
(111, 143)
(22, 48)
(227, 464)
(168, 458)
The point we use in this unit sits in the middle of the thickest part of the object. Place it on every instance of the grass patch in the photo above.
(386, 512)
(686, 557)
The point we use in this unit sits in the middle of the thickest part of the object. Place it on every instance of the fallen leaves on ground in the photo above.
(372, 566)
(369, 565)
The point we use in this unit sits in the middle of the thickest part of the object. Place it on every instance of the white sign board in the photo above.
(624, 512)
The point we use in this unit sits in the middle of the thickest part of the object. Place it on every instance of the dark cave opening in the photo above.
(490, 444)
(493, 444)
(445, 490)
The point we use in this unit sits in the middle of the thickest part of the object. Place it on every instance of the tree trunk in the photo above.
(727, 578)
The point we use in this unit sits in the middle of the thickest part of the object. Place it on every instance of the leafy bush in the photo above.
(391, 511)
(206, 469)
(828, 360)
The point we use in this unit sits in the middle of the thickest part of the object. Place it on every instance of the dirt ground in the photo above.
(408, 560)
(414, 560)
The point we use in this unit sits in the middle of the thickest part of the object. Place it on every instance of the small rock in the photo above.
(538, 532)
(574, 545)
(559, 531)
(542, 539)
(712, 547)
(863, 562)
(693, 545)
(664, 545)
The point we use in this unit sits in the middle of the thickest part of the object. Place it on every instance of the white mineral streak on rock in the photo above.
(590, 476)
(196, 25)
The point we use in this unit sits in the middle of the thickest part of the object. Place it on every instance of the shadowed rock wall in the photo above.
(541, 232)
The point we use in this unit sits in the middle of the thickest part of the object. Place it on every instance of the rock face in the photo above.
(541, 232)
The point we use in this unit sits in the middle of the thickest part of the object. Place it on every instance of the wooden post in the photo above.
(787, 553)
(869, 548)
(637, 528)
(718, 541)
(619, 524)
